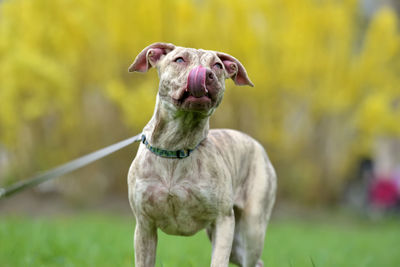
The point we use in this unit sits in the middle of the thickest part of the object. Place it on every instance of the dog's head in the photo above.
(190, 79)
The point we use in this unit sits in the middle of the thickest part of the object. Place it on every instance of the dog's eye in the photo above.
(218, 65)
(179, 60)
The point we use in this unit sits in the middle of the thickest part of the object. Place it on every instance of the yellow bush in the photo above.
(326, 80)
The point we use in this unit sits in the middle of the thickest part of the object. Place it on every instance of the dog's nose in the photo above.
(198, 79)
(209, 76)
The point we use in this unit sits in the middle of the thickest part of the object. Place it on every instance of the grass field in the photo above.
(100, 240)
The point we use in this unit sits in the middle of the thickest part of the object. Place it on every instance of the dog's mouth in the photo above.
(191, 102)
(188, 96)
(196, 95)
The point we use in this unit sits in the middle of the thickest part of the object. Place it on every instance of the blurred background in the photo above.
(326, 101)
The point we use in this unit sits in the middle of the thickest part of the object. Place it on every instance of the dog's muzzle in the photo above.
(197, 80)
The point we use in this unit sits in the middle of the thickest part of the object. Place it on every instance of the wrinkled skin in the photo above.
(227, 185)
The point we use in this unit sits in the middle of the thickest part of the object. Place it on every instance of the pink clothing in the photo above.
(384, 193)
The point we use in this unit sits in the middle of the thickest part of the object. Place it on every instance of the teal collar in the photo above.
(174, 154)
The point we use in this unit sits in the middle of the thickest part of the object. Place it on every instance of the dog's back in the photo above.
(242, 154)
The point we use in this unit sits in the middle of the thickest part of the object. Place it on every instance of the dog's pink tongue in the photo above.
(197, 82)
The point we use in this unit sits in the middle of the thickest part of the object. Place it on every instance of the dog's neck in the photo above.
(172, 129)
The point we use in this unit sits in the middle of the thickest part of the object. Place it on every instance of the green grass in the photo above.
(99, 240)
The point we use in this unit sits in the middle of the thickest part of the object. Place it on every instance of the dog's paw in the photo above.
(260, 263)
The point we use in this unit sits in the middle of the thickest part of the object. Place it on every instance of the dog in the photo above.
(186, 177)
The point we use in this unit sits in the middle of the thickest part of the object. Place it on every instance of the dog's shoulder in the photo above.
(234, 142)
(230, 136)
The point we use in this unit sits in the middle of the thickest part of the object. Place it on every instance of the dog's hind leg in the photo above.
(248, 241)
(252, 217)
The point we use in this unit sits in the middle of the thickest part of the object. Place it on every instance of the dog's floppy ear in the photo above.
(149, 56)
(235, 69)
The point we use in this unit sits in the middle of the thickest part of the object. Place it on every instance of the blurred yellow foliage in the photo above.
(326, 78)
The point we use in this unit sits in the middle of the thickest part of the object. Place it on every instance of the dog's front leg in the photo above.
(145, 244)
(222, 238)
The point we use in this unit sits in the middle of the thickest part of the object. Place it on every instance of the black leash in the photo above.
(67, 167)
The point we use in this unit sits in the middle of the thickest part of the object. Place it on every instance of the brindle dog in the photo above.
(226, 185)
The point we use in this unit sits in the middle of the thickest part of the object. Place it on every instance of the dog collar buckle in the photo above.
(183, 153)
(177, 154)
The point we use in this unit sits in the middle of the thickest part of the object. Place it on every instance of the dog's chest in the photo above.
(181, 207)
